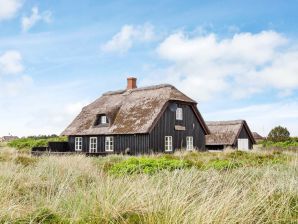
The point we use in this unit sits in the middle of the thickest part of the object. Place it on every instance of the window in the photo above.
(78, 143)
(189, 143)
(93, 145)
(168, 144)
(109, 145)
(103, 119)
(179, 114)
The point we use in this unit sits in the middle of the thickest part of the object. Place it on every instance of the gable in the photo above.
(195, 112)
(245, 133)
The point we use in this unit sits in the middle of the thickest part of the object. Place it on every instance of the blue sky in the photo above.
(237, 59)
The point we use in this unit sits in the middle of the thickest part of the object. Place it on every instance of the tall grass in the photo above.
(77, 189)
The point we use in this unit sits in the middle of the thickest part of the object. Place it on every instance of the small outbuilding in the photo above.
(233, 134)
(257, 137)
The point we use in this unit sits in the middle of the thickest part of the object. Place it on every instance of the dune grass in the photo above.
(79, 189)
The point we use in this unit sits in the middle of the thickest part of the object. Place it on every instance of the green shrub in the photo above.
(292, 142)
(223, 164)
(147, 165)
(28, 143)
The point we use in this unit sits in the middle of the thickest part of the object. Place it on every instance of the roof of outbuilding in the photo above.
(129, 111)
(225, 132)
(257, 136)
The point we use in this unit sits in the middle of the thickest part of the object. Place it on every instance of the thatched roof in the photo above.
(225, 132)
(257, 136)
(129, 111)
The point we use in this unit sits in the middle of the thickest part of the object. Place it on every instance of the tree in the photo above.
(279, 134)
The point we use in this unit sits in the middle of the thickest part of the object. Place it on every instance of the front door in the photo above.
(93, 145)
(243, 144)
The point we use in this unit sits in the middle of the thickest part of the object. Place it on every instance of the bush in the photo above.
(291, 142)
(30, 142)
(223, 164)
(147, 165)
(279, 134)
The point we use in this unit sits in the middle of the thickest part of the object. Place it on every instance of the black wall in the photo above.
(155, 141)
(138, 144)
(166, 127)
(244, 134)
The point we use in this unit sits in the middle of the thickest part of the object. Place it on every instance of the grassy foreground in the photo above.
(78, 189)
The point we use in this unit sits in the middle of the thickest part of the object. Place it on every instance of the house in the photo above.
(257, 137)
(234, 134)
(152, 119)
(8, 138)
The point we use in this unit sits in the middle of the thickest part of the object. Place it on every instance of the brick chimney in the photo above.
(131, 83)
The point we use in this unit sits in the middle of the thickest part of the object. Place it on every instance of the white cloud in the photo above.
(30, 21)
(11, 62)
(8, 8)
(128, 35)
(263, 117)
(12, 81)
(205, 66)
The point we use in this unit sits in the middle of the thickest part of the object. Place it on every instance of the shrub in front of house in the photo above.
(38, 141)
(147, 165)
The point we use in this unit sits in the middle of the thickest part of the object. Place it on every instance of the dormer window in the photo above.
(179, 114)
(101, 119)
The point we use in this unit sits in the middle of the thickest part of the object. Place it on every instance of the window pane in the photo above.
(179, 114)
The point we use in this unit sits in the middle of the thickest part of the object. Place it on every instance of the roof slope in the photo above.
(225, 132)
(257, 136)
(129, 111)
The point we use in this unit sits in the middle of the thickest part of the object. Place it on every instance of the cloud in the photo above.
(8, 8)
(127, 37)
(12, 81)
(245, 64)
(35, 17)
(11, 62)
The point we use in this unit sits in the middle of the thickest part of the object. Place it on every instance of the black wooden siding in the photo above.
(154, 141)
(244, 134)
(138, 143)
(166, 127)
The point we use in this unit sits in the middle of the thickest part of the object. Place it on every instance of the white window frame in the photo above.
(168, 143)
(93, 144)
(78, 144)
(103, 119)
(179, 114)
(109, 143)
(189, 143)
